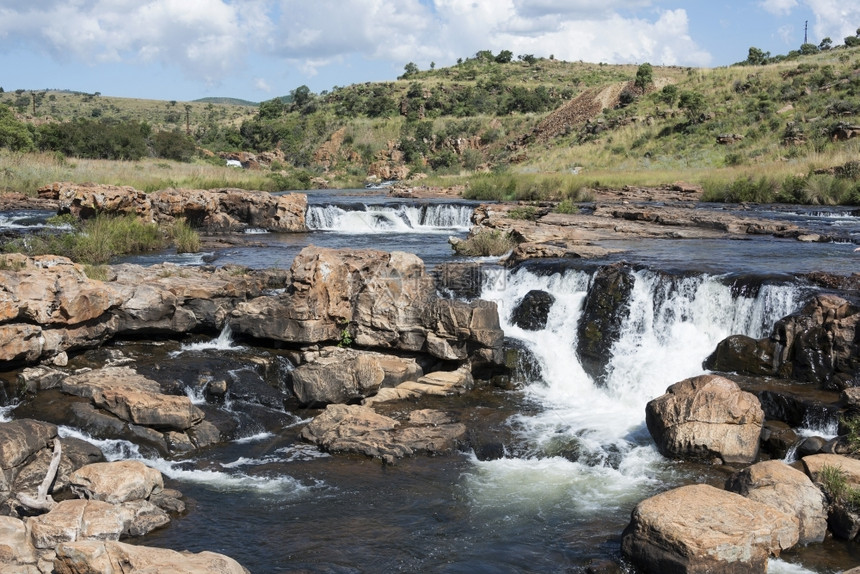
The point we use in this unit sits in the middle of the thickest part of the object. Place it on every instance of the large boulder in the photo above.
(134, 398)
(705, 417)
(341, 375)
(116, 482)
(788, 490)
(603, 314)
(359, 429)
(88, 557)
(819, 344)
(372, 299)
(699, 529)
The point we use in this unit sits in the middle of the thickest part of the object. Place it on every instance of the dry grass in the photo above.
(25, 173)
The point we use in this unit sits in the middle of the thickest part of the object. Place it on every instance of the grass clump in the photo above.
(567, 207)
(834, 482)
(524, 187)
(95, 241)
(185, 238)
(527, 212)
(486, 244)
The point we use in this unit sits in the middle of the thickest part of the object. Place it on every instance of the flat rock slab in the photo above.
(105, 556)
(700, 529)
(134, 398)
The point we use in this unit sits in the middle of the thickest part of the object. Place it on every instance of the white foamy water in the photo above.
(672, 326)
(390, 219)
(223, 342)
(183, 471)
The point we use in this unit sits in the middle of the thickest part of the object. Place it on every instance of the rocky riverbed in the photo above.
(366, 354)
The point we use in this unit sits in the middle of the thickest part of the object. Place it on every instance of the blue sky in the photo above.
(258, 49)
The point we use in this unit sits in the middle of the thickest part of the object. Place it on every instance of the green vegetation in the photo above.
(771, 128)
(834, 482)
(485, 244)
(96, 241)
(185, 238)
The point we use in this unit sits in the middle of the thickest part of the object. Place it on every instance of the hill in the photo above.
(760, 123)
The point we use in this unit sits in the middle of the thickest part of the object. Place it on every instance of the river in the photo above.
(577, 456)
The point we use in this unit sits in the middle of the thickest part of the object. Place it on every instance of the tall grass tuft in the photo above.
(95, 241)
(525, 187)
(185, 238)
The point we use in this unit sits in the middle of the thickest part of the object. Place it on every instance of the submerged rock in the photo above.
(705, 417)
(700, 529)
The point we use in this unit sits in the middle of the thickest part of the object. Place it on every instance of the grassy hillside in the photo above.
(743, 132)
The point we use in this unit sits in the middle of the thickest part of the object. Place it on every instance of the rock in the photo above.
(216, 209)
(788, 490)
(532, 311)
(89, 557)
(705, 417)
(359, 429)
(603, 313)
(17, 554)
(777, 438)
(73, 520)
(441, 383)
(816, 345)
(51, 290)
(340, 375)
(811, 445)
(134, 398)
(116, 482)
(742, 354)
(699, 529)
(378, 300)
(34, 379)
(460, 279)
(850, 466)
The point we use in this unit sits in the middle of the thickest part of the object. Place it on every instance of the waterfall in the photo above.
(596, 435)
(429, 218)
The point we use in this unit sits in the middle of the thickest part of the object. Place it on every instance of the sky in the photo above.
(260, 49)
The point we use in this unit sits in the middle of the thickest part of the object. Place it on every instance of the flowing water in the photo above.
(577, 456)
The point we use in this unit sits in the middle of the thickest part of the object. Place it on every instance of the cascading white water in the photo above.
(595, 435)
(387, 218)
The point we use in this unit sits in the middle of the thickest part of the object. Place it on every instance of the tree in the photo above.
(271, 109)
(409, 70)
(808, 49)
(825, 44)
(301, 96)
(693, 104)
(14, 135)
(527, 58)
(644, 77)
(668, 95)
(756, 57)
(852, 41)
(173, 145)
(504, 57)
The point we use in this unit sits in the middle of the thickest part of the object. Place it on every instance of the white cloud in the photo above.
(779, 7)
(210, 39)
(835, 19)
(262, 85)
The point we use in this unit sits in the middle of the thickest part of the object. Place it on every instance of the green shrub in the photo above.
(526, 212)
(566, 206)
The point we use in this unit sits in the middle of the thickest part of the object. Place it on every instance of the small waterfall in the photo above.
(223, 342)
(435, 218)
(672, 325)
